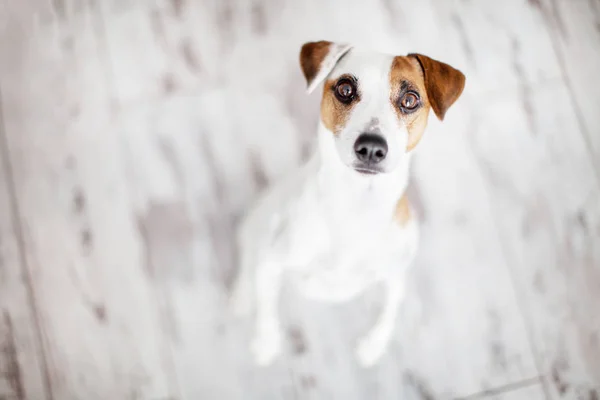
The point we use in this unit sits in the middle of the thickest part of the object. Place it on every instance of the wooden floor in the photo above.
(133, 133)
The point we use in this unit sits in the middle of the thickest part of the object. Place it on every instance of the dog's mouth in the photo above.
(367, 170)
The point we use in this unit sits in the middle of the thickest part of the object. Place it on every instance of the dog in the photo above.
(342, 222)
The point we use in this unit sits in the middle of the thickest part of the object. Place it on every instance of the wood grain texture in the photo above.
(500, 45)
(575, 29)
(22, 369)
(534, 392)
(97, 309)
(546, 203)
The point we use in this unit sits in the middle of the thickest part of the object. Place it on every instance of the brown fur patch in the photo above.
(407, 70)
(402, 214)
(444, 83)
(311, 56)
(335, 114)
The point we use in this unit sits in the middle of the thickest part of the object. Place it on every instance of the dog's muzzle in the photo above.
(370, 150)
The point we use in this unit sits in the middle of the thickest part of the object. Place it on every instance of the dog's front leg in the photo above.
(267, 340)
(374, 344)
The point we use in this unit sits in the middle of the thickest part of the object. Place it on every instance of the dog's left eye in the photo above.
(410, 101)
(345, 91)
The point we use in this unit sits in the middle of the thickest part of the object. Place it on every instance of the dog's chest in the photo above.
(349, 253)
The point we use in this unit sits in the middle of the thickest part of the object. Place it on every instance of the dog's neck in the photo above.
(338, 182)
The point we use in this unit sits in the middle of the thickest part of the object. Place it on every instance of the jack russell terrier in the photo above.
(342, 222)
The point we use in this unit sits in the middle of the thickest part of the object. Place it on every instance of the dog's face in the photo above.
(376, 105)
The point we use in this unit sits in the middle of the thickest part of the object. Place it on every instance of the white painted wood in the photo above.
(22, 364)
(101, 330)
(530, 389)
(500, 45)
(22, 367)
(534, 392)
(575, 27)
(547, 206)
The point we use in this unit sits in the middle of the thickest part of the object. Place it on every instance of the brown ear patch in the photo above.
(312, 55)
(407, 71)
(444, 83)
(334, 114)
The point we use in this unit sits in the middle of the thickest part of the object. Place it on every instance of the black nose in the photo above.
(370, 148)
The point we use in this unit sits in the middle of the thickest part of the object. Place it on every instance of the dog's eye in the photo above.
(345, 91)
(409, 102)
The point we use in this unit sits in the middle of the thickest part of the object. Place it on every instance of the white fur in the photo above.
(330, 229)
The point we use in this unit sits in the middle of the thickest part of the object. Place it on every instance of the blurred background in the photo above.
(134, 133)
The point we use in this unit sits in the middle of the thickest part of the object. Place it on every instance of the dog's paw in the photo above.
(371, 347)
(266, 346)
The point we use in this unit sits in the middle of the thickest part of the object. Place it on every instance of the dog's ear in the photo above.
(317, 59)
(444, 84)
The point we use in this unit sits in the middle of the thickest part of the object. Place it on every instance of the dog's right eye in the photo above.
(345, 90)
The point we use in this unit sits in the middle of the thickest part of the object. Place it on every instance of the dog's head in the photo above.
(376, 105)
